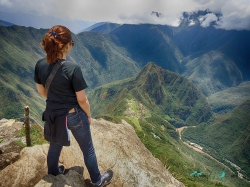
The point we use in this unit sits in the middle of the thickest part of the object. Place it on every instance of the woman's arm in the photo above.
(84, 103)
(41, 90)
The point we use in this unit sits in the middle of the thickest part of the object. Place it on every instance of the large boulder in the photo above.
(117, 147)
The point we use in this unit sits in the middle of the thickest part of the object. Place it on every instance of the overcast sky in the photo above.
(72, 13)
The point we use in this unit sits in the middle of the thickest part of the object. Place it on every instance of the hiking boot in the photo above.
(61, 169)
(105, 179)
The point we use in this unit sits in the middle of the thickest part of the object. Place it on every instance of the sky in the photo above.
(79, 14)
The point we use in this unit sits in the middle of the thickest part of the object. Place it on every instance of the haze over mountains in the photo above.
(189, 79)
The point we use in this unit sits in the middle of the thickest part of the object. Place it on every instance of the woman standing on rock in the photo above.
(67, 106)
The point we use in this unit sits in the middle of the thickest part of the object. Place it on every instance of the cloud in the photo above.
(207, 19)
(235, 13)
(6, 3)
(129, 11)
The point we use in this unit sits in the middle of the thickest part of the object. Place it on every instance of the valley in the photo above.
(199, 148)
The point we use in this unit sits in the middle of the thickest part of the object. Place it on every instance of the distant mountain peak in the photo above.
(149, 69)
(5, 23)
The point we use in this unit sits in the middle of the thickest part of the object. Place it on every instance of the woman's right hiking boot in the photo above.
(105, 179)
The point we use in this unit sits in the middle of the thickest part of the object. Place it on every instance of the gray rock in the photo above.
(72, 178)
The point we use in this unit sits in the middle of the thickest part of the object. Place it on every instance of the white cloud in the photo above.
(129, 11)
(235, 13)
(6, 3)
(191, 23)
(207, 19)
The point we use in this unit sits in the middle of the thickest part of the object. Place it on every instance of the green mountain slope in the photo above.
(101, 60)
(195, 41)
(149, 43)
(153, 91)
(226, 100)
(228, 137)
(19, 51)
(213, 72)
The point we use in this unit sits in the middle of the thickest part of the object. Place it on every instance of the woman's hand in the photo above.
(84, 103)
(90, 120)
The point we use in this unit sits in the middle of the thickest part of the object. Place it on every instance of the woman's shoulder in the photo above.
(41, 62)
(71, 65)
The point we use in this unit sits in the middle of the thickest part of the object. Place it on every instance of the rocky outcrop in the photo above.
(117, 147)
(73, 177)
(9, 133)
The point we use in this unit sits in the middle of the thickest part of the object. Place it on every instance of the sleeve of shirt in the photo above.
(36, 78)
(78, 81)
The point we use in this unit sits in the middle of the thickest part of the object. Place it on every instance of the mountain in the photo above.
(93, 26)
(227, 138)
(213, 72)
(195, 41)
(19, 52)
(5, 23)
(153, 91)
(149, 43)
(102, 61)
(226, 100)
(104, 28)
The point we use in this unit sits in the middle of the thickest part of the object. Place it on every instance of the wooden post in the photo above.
(27, 126)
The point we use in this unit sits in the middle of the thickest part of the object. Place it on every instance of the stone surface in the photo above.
(72, 178)
(117, 147)
(9, 133)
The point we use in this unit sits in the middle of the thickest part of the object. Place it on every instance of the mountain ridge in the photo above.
(155, 88)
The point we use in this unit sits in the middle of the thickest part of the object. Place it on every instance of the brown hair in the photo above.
(54, 41)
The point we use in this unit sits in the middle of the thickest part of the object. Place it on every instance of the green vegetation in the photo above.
(141, 102)
(213, 72)
(226, 100)
(36, 135)
(227, 138)
(20, 143)
(153, 92)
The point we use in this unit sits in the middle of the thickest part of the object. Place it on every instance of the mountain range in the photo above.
(156, 76)
(212, 59)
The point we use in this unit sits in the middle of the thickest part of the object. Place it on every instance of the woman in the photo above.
(66, 103)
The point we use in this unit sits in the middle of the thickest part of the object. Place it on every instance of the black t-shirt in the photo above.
(68, 80)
